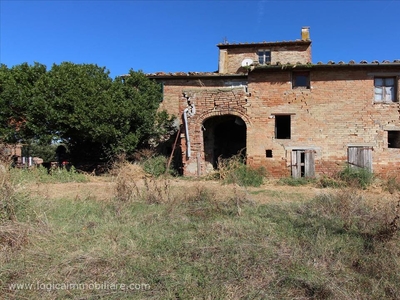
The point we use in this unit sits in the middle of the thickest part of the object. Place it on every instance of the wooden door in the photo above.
(303, 163)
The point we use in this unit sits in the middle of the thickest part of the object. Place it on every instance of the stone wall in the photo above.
(290, 53)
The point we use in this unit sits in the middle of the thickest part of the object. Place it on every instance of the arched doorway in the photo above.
(224, 136)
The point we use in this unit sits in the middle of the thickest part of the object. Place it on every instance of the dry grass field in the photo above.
(128, 235)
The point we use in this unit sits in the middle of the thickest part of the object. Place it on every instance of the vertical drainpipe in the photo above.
(187, 132)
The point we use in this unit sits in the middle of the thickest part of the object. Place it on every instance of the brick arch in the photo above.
(215, 113)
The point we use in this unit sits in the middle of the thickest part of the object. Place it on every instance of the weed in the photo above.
(42, 175)
(156, 166)
(199, 245)
(359, 177)
(329, 182)
(7, 195)
(391, 184)
(234, 170)
(295, 181)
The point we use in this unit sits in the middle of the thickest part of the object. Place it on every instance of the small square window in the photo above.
(264, 57)
(268, 153)
(393, 139)
(301, 80)
(385, 89)
(282, 126)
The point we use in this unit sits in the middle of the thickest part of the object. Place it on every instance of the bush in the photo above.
(246, 176)
(358, 177)
(234, 170)
(156, 165)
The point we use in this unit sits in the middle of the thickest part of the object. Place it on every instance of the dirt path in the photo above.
(104, 188)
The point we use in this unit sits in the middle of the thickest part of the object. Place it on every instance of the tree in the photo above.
(16, 92)
(80, 106)
(95, 116)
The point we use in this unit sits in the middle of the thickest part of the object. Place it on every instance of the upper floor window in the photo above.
(282, 126)
(385, 89)
(264, 57)
(301, 79)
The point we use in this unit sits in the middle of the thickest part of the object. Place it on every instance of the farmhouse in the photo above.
(285, 113)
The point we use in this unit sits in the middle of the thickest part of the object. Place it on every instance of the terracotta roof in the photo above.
(278, 65)
(263, 44)
(330, 63)
(192, 74)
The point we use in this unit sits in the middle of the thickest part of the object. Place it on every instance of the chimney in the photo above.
(305, 33)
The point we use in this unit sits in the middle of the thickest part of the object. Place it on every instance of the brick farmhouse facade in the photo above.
(285, 113)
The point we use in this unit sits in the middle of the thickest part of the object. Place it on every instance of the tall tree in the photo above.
(94, 115)
(16, 93)
(82, 107)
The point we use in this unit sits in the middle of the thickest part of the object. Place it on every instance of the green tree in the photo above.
(16, 93)
(81, 106)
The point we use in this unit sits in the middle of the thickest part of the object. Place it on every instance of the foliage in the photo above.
(234, 170)
(81, 106)
(295, 181)
(360, 177)
(156, 165)
(17, 90)
(47, 152)
(43, 175)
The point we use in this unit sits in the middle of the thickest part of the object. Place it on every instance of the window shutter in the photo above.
(309, 163)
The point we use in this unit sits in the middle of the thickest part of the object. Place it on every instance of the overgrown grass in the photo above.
(194, 245)
(295, 181)
(234, 170)
(348, 177)
(360, 177)
(42, 175)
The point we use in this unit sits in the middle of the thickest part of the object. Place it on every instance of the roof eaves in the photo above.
(180, 75)
(330, 64)
(263, 44)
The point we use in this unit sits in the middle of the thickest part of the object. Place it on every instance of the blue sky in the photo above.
(181, 36)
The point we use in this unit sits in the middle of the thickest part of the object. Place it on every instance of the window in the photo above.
(301, 80)
(282, 126)
(393, 139)
(359, 157)
(385, 89)
(268, 153)
(264, 57)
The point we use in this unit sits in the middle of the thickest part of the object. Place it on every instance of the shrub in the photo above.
(156, 166)
(246, 176)
(234, 170)
(359, 177)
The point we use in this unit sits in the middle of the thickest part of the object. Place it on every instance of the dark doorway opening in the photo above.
(224, 137)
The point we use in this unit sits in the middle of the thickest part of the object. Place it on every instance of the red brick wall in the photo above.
(337, 111)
